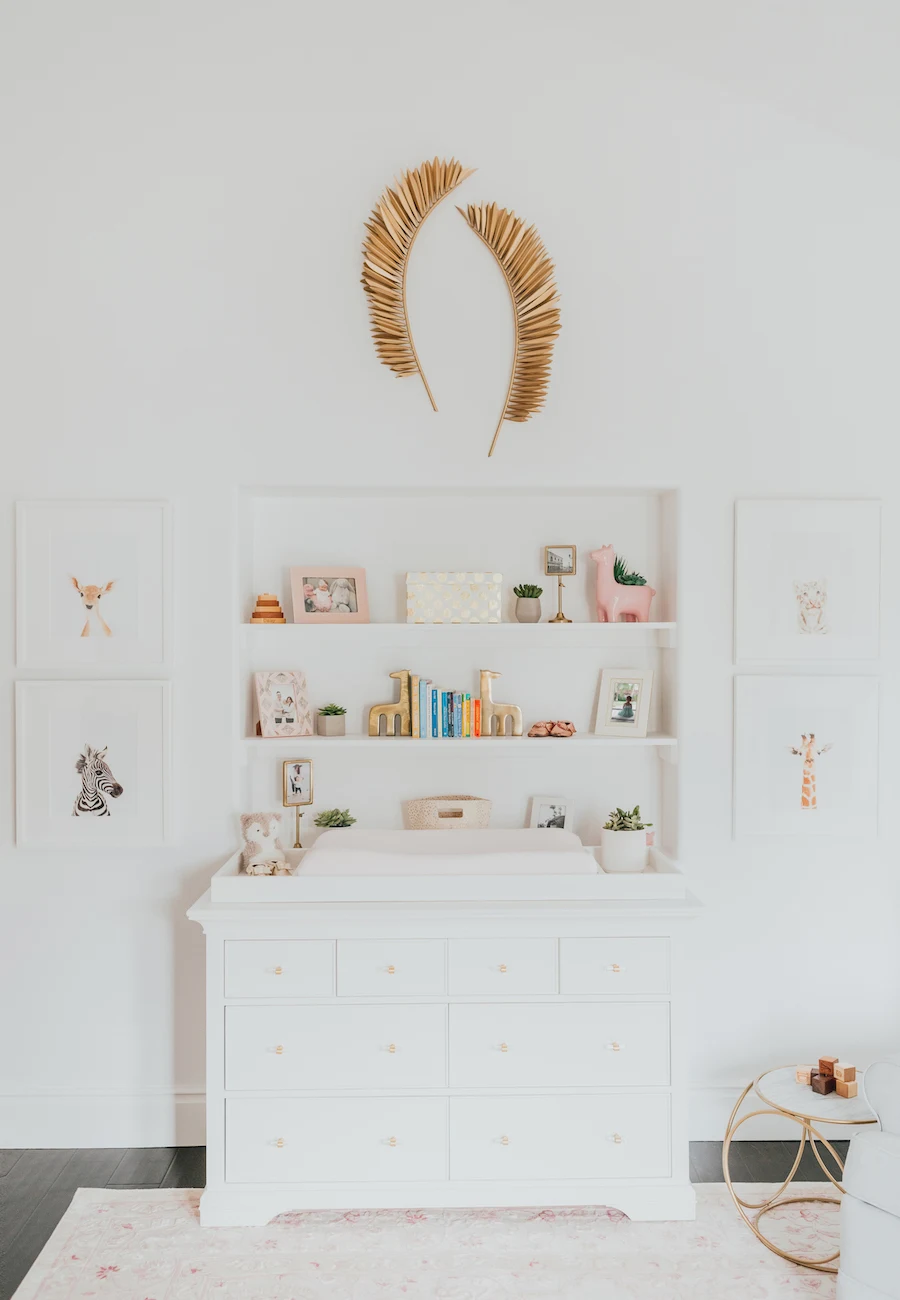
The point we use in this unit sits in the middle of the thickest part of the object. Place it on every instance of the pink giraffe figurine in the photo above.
(617, 600)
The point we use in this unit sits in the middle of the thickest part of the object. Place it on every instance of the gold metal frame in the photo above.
(561, 546)
(297, 807)
(810, 1134)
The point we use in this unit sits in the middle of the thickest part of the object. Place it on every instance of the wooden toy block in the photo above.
(844, 1072)
(824, 1083)
(827, 1064)
(846, 1088)
(804, 1074)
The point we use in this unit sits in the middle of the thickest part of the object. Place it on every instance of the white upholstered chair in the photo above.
(870, 1210)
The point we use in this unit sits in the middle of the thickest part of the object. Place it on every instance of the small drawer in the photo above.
(279, 968)
(559, 1045)
(560, 1137)
(501, 966)
(614, 965)
(336, 1140)
(387, 968)
(335, 1046)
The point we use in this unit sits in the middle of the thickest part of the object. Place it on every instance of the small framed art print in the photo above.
(551, 812)
(297, 782)
(560, 561)
(329, 594)
(623, 705)
(283, 704)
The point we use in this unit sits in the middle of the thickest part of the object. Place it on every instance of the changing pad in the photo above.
(348, 852)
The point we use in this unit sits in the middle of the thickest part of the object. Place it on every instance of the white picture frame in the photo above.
(791, 731)
(56, 722)
(622, 711)
(806, 581)
(551, 811)
(93, 584)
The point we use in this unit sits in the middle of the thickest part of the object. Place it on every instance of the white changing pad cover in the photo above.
(348, 852)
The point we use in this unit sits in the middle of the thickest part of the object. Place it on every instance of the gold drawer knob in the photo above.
(392, 970)
(503, 968)
(280, 1142)
(279, 1050)
(279, 970)
(615, 1047)
(392, 1048)
(504, 1141)
(504, 1047)
(615, 968)
(617, 1138)
(392, 1142)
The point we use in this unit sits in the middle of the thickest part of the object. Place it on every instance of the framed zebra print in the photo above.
(92, 764)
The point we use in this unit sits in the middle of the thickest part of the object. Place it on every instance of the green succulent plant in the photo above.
(332, 710)
(334, 818)
(528, 591)
(620, 820)
(627, 577)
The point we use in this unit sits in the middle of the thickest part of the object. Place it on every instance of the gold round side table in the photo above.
(782, 1095)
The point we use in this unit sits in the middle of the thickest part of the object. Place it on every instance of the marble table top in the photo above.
(780, 1089)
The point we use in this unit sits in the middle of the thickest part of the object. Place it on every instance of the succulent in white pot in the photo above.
(528, 602)
(623, 841)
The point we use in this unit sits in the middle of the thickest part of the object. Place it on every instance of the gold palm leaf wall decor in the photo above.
(392, 229)
(523, 260)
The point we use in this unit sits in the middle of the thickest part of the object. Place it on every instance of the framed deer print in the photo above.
(806, 581)
(92, 584)
(806, 755)
(92, 764)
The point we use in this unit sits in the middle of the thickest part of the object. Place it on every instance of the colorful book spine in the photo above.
(457, 714)
(445, 713)
(414, 711)
(424, 717)
(476, 729)
(435, 730)
(467, 716)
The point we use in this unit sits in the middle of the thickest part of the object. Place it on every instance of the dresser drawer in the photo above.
(387, 968)
(502, 966)
(335, 1046)
(614, 965)
(336, 1140)
(559, 1137)
(279, 968)
(559, 1045)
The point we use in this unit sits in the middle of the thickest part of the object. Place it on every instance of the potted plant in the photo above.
(623, 841)
(331, 819)
(331, 720)
(528, 602)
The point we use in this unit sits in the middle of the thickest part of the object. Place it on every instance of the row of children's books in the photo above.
(437, 713)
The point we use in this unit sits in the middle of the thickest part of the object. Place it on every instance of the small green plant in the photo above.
(620, 820)
(332, 710)
(332, 818)
(528, 591)
(627, 577)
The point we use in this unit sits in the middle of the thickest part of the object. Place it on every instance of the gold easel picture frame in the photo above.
(297, 789)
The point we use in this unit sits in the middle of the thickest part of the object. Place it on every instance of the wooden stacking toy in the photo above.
(829, 1075)
(268, 609)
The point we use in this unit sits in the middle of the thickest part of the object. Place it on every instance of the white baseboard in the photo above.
(152, 1117)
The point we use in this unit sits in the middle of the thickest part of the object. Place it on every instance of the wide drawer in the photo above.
(502, 966)
(614, 965)
(279, 968)
(559, 1045)
(336, 1139)
(387, 968)
(335, 1046)
(559, 1137)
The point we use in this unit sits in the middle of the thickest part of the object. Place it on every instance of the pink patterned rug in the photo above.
(148, 1245)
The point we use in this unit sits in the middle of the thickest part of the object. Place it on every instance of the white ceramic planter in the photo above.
(623, 850)
(331, 724)
(528, 609)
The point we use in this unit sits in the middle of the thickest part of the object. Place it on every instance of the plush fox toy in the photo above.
(263, 854)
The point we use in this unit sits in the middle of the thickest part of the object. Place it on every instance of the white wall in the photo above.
(184, 187)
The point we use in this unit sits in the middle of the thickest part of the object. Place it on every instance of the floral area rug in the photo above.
(148, 1245)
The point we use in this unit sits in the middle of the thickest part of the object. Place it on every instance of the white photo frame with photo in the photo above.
(551, 812)
(623, 702)
(93, 764)
(93, 584)
(806, 581)
(805, 755)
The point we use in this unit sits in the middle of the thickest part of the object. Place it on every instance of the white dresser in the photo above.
(367, 1055)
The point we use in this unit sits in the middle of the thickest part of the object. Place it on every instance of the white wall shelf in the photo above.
(539, 636)
(497, 744)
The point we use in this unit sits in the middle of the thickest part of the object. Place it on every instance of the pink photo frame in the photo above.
(329, 594)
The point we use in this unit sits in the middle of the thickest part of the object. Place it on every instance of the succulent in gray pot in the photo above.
(331, 720)
(528, 602)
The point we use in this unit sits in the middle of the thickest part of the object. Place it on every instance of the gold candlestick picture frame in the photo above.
(297, 789)
(560, 562)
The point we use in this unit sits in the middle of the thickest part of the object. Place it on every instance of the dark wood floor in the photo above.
(37, 1186)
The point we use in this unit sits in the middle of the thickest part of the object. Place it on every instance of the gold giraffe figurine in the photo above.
(490, 710)
(391, 712)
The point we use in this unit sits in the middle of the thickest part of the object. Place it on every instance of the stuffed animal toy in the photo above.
(263, 854)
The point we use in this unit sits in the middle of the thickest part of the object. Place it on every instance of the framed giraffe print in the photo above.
(806, 755)
(92, 764)
(93, 584)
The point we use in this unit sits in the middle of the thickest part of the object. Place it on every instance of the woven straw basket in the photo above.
(449, 812)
